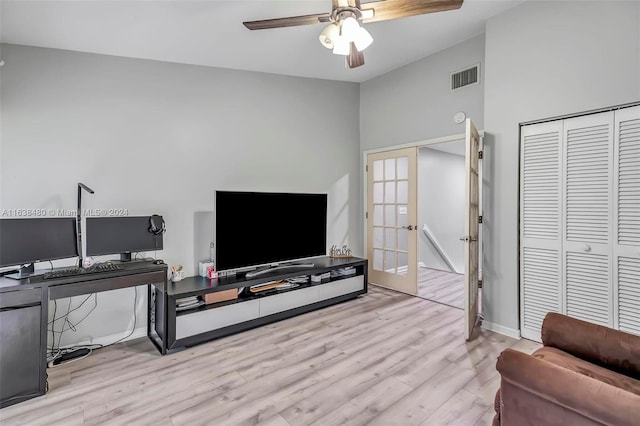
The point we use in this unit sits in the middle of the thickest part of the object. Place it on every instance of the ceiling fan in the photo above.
(343, 34)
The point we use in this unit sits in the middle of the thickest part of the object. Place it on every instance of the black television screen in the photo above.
(261, 228)
(118, 235)
(24, 241)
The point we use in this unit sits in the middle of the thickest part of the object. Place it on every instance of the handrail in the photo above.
(438, 248)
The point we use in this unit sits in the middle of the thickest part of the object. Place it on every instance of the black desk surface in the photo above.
(200, 285)
(37, 281)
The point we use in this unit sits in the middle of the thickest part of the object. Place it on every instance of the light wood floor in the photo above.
(383, 359)
(441, 286)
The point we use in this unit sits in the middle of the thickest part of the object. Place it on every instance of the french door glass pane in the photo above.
(390, 238)
(403, 168)
(402, 215)
(378, 170)
(377, 260)
(389, 215)
(390, 192)
(403, 239)
(378, 237)
(403, 263)
(378, 192)
(390, 261)
(403, 191)
(390, 169)
(378, 218)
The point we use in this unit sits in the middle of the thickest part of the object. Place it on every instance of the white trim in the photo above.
(500, 329)
(531, 335)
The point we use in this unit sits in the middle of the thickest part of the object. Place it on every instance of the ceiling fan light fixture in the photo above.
(341, 46)
(363, 39)
(329, 35)
(349, 29)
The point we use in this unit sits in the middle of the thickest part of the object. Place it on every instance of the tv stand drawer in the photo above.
(289, 300)
(338, 288)
(213, 319)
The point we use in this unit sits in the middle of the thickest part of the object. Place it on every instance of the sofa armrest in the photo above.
(612, 349)
(583, 395)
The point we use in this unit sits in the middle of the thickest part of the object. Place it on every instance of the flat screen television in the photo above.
(264, 228)
(121, 235)
(26, 241)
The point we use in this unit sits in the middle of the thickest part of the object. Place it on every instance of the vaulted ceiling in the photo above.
(210, 33)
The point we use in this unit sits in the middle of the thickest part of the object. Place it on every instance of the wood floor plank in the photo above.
(368, 404)
(385, 358)
(463, 408)
(417, 406)
(441, 286)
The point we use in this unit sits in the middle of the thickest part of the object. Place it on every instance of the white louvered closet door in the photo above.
(540, 225)
(588, 200)
(627, 220)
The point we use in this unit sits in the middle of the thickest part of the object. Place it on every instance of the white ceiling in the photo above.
(210, 33)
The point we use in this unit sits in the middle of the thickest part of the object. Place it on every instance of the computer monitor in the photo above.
(121, 235)
(29, 240)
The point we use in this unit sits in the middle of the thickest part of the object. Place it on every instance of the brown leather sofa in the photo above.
(585, 374)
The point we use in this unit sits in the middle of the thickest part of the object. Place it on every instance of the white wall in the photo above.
(441, 200)
(155, 137)
(414, 103)
(543, 59)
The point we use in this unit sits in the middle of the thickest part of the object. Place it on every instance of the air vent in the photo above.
(465, 77)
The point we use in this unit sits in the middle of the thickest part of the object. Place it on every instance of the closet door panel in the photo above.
(540, 225)
(587, 212)
(627, 220)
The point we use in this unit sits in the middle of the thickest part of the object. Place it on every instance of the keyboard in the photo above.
(93, 269)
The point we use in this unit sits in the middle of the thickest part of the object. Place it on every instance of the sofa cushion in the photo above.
(565, 360)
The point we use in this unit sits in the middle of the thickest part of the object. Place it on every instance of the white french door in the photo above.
(392, 242)
(472, 229)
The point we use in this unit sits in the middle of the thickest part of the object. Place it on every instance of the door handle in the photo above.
(465, 239)
(587, 248)
(410, 227)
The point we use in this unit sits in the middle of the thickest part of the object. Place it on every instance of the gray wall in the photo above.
(441, 200)
(543, 59)
(415, 103)
(155, 137)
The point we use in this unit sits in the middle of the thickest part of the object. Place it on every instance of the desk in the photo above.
(24, 317)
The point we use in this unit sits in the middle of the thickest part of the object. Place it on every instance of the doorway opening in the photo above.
(441, 221)
(451, 255)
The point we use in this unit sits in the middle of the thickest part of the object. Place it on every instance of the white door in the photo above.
(626, 195)
(587, 194)
(472, 227)
(392, 219)
(540, 225)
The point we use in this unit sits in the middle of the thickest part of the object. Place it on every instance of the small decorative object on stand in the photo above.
(336, 252)
(177, 273)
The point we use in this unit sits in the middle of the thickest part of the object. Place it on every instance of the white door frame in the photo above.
(422, 143)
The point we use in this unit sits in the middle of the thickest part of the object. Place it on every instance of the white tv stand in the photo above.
(174, 330)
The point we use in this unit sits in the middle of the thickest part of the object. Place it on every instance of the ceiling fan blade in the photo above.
(355, 58)
(394, 9)
(291, 21)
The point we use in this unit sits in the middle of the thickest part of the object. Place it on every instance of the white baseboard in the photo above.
(109, 340)
(497, 328)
